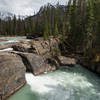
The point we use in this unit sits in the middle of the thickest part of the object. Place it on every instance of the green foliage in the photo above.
(56, 52)
(68, 22)
(35, 25)
(78, 25)
(45, 32)
(56, 31)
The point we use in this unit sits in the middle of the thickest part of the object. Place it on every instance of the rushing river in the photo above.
(70, 84)
(7, 40)
(76, 83)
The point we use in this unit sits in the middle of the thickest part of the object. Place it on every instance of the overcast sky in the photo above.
(25, 7)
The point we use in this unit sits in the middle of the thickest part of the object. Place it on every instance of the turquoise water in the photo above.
(68, 84)
(12, 39)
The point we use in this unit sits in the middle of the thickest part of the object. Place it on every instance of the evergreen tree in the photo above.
(14, 25)
(56, 32)
(45, 35)
(90, 29)
(68, 23)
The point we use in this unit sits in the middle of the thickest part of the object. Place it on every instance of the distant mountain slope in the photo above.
(5, 15)
(62, 9)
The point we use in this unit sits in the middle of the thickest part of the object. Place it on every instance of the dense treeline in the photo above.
(12, 26)
(78, 23)
(82, 25)
(48, 21)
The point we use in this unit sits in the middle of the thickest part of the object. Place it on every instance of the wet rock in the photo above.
(23, 47)
(12, 74)
(98, 69)
(35, 63)
(67, 61)
(44, 46)
(92, 66)
(34, 36)
(30, 37)
(38, 46)
(9, 45)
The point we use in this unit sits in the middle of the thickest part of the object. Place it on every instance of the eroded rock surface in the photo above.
(36, 64)
(67, 61)
(38, 55)
(38, 46)
(34, 56)
(12, 74)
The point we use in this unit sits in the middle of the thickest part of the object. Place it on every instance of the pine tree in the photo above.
(14, 25)
(45, 35)
(73, 22)
(56, 32)
(49, 29)
(90, 29)
(68, 23)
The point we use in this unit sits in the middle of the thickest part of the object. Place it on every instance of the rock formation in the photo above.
(67, 61)
(38, 46)
(12, 74)
(36, 64)
(93, 66)
(34, 56)
(37, 55)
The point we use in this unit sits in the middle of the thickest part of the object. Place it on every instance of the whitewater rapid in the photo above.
(74, 84)
(8, 40)
(68, 84)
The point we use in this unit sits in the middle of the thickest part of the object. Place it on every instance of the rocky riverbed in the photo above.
(35, 56)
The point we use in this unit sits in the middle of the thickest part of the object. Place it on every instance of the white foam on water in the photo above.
(61, 85)
(11, 41)
(39, 83)
(8, 49)
(75, 84)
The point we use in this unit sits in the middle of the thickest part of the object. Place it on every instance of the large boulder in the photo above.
(67, 61)
(12, 74)
(36, 64)
(23, 46)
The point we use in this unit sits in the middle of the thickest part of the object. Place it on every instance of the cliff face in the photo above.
(12, 74)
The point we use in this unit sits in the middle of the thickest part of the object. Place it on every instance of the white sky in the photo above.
(25, 7)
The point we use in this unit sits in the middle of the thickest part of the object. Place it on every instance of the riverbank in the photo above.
(37, 56)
